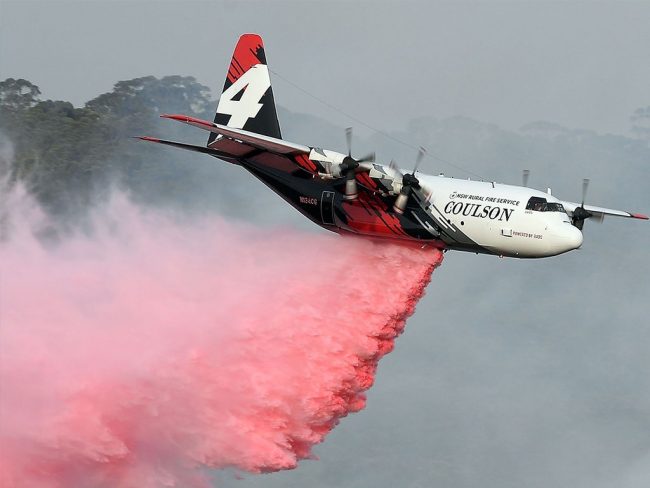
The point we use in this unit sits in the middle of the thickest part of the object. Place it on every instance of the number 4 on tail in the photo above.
(255, 82)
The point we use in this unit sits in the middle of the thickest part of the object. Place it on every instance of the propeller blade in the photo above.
(395, 169)
(350, 166)
(421, 153)
(427, 194)
(525, 177)
(409, 182)
(348, 139)
(368, 158)
(585, 186)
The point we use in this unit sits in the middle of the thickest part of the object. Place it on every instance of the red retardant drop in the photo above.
(155, 348)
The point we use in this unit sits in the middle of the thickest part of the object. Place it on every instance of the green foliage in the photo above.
(68, 155)
(150, 95)
(17, 95)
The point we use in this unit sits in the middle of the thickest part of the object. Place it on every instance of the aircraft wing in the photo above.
(258, 141)
(600, 212)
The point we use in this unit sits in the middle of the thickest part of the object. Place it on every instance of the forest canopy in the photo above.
(68, 156)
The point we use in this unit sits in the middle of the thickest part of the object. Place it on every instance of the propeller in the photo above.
(580, 214)
(349, 166)
(525, 176)
(409, 182)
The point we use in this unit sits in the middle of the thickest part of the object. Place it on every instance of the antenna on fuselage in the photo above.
(525, 176)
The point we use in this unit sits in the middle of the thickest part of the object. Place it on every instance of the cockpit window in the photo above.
(539, 204)
(536, 203)
(553, 207)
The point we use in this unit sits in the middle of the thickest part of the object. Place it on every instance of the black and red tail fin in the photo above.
(247, 98)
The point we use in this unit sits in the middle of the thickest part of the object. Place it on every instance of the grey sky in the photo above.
(581, 64)
(511, 373)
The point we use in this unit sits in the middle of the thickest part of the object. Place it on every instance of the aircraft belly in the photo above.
(527, 236)
(300, 193)
(321, 200)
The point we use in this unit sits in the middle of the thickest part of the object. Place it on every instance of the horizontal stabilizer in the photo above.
(259, 141)
(188, 147)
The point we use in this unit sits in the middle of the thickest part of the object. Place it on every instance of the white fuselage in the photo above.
(494, 216)
(484, 216)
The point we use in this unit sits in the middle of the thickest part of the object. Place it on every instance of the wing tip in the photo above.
(179, 117)
(187, 119)
(639, 216)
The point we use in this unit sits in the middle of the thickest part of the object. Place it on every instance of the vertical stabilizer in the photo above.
(247, 98)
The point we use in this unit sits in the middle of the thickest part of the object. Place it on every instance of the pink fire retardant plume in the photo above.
(153, 350)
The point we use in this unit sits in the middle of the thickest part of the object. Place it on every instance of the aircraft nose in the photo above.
(565, 238)
(573, 237)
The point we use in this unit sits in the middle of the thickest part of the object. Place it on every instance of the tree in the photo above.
(17, 95)
(181, 94)
(68, 157)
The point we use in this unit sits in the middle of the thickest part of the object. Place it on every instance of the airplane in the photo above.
(359, 196)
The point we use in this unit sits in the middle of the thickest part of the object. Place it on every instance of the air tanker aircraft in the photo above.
(349, 195)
